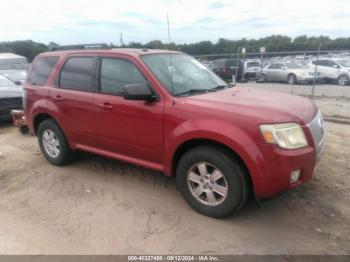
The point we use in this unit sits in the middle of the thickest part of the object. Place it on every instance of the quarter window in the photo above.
(42, 70)
(77, 74)
(116, 73)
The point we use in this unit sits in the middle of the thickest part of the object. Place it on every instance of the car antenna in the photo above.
(171, 60)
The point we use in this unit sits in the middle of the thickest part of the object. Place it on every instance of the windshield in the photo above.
(294, 66)
(4, 82)
(187, 73)
(345, 63)
(253, 64)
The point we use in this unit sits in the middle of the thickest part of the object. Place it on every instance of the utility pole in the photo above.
(315, 72)
(121, 39)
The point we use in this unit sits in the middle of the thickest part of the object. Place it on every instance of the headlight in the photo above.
(286, 136)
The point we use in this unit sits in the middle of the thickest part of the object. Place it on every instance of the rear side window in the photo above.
(41, 70)
(116, 73)
(77, 74)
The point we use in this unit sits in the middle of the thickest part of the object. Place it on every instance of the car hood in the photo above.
(10, 92)
(259, 105)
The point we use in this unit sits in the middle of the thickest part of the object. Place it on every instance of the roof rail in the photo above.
(78, 47)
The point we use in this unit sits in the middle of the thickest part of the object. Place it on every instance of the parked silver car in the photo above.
(333, 69)
(251, 68)
(290, 72)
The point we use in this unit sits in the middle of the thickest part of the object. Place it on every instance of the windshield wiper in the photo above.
(219, 87)
(193, 91)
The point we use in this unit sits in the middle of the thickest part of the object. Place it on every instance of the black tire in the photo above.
(236, 178)
(292, 79)
(24, 130)
(343, 80)
(65, 154)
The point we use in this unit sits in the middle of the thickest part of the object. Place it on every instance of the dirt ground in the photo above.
(101, 206)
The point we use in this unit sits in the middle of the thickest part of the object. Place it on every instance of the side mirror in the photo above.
(335, 66)
(139, 92)
(18, 83)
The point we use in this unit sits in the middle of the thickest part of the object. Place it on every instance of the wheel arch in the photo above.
(196, 142)
(39, 118)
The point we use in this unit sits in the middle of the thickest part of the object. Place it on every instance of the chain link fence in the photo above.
(313, 67)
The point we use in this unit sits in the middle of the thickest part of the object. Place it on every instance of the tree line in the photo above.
(273, 43)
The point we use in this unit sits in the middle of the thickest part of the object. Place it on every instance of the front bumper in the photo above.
(8, 104)
(277, 164)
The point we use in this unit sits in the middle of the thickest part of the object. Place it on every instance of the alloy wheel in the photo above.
(51, 143)
(207, 184)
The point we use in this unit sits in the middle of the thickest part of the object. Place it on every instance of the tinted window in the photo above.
(272, 66)
(77, 74)
(116, 73)
(42, 70)
(232, 62)
(321, 62)
(331, 63)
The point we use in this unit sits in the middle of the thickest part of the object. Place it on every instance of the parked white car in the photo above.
(333, 69)
(290, 72)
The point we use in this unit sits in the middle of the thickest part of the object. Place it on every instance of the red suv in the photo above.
(166, 111)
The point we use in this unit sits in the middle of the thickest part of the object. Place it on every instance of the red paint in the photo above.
(149, 133)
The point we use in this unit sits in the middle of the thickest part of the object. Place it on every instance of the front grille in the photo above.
(317, 129)
(11, 103)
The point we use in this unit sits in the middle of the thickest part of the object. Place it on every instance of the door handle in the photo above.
(105, 105)
(58, 98)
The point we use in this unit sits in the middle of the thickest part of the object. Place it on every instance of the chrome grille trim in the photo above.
(317, 129)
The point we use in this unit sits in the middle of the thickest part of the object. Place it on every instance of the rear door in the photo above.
(72, 98)
(131, 129)
(321, 67)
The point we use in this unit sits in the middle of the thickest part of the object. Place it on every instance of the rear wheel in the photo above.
(53, 143)
(211, 182)
(343, 80)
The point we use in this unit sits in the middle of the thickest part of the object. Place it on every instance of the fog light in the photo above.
(294, 176)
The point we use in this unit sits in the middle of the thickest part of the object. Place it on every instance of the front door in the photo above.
(131, 129)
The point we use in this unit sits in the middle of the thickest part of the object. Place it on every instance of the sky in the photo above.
(84, 21)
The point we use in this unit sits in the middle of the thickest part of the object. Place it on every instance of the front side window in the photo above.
(77, 74)
(116, 73)
(180, 73)
(42, 70)
(331, 63)
(345, 63)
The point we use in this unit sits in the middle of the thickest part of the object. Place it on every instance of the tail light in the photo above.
(24, 98)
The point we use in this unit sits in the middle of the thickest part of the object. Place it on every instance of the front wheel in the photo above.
(343, 80)
(212, 182)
